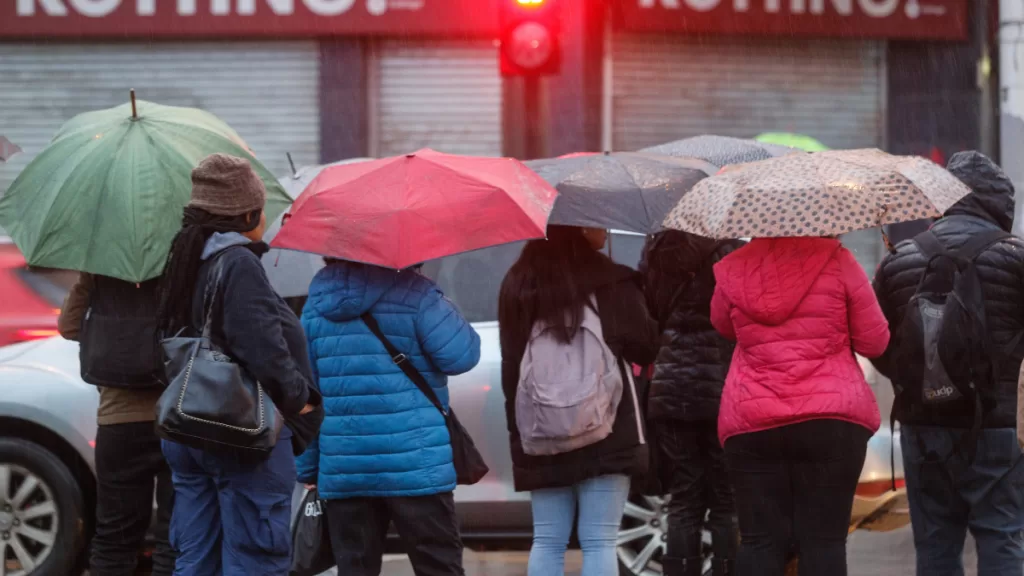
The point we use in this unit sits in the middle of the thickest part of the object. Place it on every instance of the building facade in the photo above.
(328, 79)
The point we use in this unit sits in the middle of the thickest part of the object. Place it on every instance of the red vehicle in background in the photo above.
(30, 298)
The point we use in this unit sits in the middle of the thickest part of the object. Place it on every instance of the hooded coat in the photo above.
(381, 436)
(798, 309)
(694, 358)
(990, 206)
(256, 327)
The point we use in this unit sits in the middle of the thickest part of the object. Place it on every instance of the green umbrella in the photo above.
(798, 141)
(106, 195)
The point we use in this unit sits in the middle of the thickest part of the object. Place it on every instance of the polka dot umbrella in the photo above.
(820, 194)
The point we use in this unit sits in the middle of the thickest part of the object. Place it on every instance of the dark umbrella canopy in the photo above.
(721, 150)
(627, 191)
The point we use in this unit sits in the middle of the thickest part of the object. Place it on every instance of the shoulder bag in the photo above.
(211, 401)
(469, 464)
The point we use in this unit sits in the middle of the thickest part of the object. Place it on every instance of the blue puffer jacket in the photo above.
(381, 436)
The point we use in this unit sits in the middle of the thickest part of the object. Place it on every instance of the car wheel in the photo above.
(643, 536)
(40, 512)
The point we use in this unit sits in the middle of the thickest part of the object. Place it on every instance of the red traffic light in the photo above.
(529, 37)
(531, 46)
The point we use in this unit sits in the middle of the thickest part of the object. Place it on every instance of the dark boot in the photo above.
(692, 566)
(724, 542)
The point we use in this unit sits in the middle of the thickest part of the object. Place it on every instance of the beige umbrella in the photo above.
(820, 194)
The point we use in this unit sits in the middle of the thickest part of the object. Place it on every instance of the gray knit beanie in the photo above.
(227, 186)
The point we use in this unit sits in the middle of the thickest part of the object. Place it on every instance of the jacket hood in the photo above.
(343, 291)
(991, 196)
(220, 241)
(769, 277)
(671, 259)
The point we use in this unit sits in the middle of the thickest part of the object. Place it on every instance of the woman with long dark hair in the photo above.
(571, 320)
(232, 510)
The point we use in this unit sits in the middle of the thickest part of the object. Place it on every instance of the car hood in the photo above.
(51, 355)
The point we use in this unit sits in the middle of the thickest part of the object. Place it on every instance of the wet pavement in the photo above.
(869, 554)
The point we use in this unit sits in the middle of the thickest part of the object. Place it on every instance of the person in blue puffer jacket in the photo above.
(384, 454)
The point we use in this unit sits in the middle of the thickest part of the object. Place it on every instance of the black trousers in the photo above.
(426, 525)
(129, 465)
(795, 485)
(699, 484)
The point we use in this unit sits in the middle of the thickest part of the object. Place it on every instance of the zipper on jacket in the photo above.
(636, 403)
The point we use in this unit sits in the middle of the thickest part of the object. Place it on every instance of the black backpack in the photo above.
(946, 354)
(119, 344)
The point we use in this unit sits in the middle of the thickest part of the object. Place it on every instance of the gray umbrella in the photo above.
(7, 149)
(628, 191)
(290, 272)
(721, 150)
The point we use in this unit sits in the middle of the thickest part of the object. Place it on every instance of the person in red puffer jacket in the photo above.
(796, 411)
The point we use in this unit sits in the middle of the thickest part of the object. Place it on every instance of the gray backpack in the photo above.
(568, 394)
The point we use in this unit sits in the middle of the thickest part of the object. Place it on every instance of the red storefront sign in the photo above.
(914, 19)
(911, 19)
(243, 18)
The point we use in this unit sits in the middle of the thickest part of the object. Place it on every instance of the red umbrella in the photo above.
(400, 211)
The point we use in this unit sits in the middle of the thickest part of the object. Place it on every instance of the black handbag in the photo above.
(470, 467)
(211, 401)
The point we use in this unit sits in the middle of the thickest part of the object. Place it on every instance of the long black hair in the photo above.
(178, 283)
(552, 281)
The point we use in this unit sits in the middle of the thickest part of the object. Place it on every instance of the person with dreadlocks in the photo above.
(232, 511)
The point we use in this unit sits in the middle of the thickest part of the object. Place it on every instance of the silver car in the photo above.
(48, 426)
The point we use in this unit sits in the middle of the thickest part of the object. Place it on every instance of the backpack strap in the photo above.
(929, 244)
(978, 243)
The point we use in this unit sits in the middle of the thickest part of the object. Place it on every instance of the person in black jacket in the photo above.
(232, 511)
(686, 389)
(950, 492)
(552, 282)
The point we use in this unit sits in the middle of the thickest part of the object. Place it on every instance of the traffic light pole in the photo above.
(533, 130)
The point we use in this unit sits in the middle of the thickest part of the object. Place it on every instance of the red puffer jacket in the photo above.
(798, 308)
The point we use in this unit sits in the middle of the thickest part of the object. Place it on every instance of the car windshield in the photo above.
(472, 280)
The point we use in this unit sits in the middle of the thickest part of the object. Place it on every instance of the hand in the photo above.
(306, 409)
(310, 487)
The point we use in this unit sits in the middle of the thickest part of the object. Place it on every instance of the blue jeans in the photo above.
(600, 502)
(231, 514)
(949, 497)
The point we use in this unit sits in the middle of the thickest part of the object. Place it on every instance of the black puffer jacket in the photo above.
(693, 360)
(631, 335)
(1001, 268)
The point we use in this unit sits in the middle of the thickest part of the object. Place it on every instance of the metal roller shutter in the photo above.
(441, 95)
(670, 87)
(267, 92)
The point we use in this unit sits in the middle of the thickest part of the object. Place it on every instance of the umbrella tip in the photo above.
(292, 164)
(135, 112)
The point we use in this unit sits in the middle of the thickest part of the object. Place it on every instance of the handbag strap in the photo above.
(403, 362)
(210, 294)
